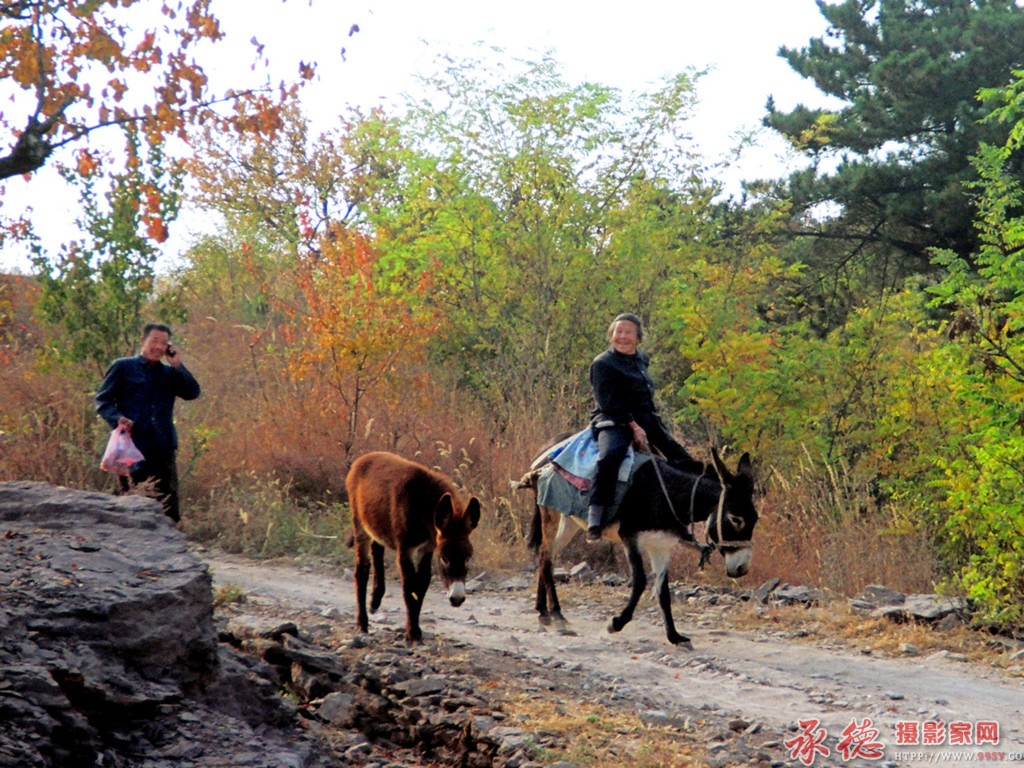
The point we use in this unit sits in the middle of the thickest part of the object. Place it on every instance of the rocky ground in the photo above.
(374, 700)
(122, 646)
(490, 687)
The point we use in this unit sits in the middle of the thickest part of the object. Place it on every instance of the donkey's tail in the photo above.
(536, 537)
(529, 480)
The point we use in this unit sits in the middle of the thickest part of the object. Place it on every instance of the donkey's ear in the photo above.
(746, 467)
(444, 512)
(723, 470)
(473, 513)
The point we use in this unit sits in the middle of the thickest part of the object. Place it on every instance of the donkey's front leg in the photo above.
(665, 600)
(639, 580)
(415, 580)
(661, 558)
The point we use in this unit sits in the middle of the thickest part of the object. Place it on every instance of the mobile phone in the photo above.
(171, 351)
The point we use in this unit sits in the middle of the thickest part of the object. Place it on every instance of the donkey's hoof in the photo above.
(681, 641)
(616, 625)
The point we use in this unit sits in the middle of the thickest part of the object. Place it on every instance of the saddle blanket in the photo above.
(578, 455)
(574, 460)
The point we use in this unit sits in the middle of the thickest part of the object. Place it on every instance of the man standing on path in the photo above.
(138, 394)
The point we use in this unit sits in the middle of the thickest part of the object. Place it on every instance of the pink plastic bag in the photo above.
(121, 455)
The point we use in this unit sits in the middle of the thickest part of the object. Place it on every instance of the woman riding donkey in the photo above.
(625, 414)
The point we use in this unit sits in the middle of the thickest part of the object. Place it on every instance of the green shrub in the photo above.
(260, 517)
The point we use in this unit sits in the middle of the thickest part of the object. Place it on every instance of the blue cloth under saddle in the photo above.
(578, 456)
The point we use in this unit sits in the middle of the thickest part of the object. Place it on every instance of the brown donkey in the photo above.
(404, 506)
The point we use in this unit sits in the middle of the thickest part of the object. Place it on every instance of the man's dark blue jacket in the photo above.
(145, 392)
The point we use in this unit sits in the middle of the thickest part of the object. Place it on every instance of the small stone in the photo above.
(582, 572)
(338, 708)
(422, 687)
(358, 752)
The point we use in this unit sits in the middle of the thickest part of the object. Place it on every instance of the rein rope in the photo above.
(707, 548)
(704, 549)
(719, 516)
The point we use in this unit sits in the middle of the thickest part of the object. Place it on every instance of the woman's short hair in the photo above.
(631, 318)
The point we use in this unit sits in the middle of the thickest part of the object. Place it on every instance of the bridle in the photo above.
(709, 546)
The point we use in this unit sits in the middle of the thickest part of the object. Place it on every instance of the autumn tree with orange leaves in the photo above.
(72, 67)
(363, 331)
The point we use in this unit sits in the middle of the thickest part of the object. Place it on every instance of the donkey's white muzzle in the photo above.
(457, 593)
(737, 563)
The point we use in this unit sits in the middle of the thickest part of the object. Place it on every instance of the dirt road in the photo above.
(811, 693)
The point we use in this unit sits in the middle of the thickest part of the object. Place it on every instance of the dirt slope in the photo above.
(761, 678)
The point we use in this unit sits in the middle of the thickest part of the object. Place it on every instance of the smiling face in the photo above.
(625, 337)
(154, 346)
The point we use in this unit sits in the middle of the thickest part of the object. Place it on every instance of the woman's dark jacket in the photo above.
(145, 392)
(622, 388)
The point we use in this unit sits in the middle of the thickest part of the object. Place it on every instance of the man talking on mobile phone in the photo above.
(138, 393)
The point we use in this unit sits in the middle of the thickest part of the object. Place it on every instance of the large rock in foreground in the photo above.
(108, 652)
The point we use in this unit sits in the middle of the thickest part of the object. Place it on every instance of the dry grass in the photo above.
(48, 428)
(834, 622)
(821, 529)
(261, 517)
(595, 736)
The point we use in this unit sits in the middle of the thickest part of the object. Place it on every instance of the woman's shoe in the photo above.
(595, 522)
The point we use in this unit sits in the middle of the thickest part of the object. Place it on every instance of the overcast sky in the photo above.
(630, 46)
